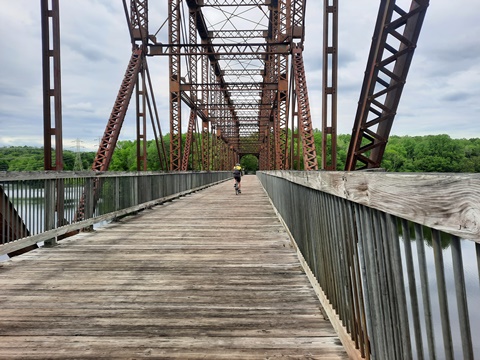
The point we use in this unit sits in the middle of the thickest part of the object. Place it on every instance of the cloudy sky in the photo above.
(442, 94)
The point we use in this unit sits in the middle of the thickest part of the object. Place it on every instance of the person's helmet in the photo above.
(237, 164)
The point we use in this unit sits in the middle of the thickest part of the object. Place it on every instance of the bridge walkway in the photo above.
(211, 275)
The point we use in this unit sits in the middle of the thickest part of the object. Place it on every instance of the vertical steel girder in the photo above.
(193, 68)
(52, 93)
(330, 77)
(279, 74)
(393, 44)
(139, 31)
(141, 121)
(50, 10)
(305, 120)
(205, 123)
(175, 93)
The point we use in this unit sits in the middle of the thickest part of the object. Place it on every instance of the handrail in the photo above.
(444, 201)
(365, 238)
(29, 200)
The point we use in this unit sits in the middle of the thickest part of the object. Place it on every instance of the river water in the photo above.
(473, 296)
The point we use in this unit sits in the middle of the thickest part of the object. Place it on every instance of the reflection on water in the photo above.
(472, 290)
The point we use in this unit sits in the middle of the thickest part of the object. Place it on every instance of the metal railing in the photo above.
(40, 206)
(388, 258)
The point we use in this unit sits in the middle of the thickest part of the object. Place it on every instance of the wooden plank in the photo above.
(212, 275)
(446, 202)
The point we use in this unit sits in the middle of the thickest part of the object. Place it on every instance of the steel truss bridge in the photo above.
(237, 68)
(140, 288)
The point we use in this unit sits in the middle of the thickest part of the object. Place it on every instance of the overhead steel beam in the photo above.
(235, 3)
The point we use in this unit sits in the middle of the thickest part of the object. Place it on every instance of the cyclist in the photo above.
(237, 175)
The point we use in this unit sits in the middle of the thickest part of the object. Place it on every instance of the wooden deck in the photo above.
(210, 276)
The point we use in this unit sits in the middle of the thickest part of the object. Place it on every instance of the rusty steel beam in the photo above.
(52, 91)
(310, 161)
(117, 116)
(235, 3)
(175, 95)
(192, 86)
(139, 20)
(141, 117)
(237, 34)
(110, 136)
(241, 48)
(393, 44)
(281, 100)
(139, 30)
(230, 86)
(330, 79)
(12, 226)
(188, 140)
(52, 94)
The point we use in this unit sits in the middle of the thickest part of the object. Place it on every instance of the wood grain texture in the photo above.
(212, 276)
(446, 202)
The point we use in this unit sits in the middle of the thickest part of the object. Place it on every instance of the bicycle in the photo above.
(237, 190)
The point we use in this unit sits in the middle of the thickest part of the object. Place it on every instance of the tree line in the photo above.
(430, 153)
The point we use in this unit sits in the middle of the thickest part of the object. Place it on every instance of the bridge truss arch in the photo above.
(236, 68)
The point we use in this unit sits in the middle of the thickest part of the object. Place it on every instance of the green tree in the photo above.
(249, 163)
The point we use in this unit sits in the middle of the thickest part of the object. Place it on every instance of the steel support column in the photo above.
(205, 104)
(330, 76)
(52, 95)
(141, 121)
(52, 92)
(139, 32)
(192, 62)
(175, 94)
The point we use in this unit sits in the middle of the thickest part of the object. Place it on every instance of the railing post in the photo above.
(117, 193)
(427, 308)
(462, 304)
(403, 336)
(89, 200)
(442, 295)
(413, 289)
(50, 203)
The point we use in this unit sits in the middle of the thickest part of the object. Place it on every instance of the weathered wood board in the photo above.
(212, 275)
(442, 201)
